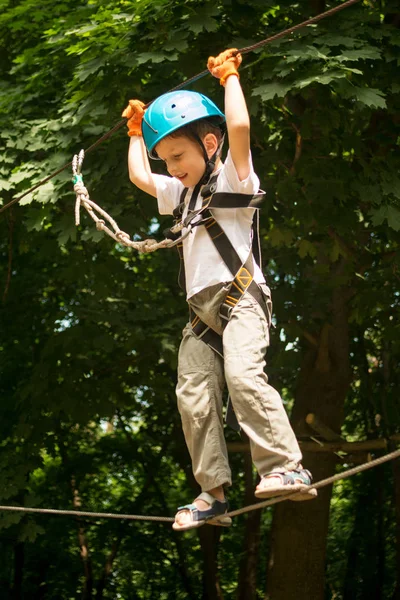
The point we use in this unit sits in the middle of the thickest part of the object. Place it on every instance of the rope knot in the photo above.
(122, 236)
(148, 246)
(80, 189)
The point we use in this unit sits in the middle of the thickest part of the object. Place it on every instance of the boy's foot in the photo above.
(281, 482)
(205, 509)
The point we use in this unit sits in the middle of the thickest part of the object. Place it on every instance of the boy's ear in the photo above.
(210, 144)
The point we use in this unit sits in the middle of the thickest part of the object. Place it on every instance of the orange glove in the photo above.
(225, 64)
(134, 113)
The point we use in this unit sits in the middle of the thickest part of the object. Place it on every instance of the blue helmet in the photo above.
(172, 111)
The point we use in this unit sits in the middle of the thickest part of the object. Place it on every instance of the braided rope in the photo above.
(144, 246)
(187, 82)
(83, 513)
(234, 513)
(320, 484)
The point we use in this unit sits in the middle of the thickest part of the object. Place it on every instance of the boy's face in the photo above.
(183, 158)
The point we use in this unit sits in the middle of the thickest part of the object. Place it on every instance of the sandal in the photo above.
(298, 480)
(211, 516)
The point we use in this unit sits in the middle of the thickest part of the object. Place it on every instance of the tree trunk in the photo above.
(83, 545)
(100, 587)
(296, 568)
(181, 563)
(247, 586)
(318, 6)
(396, 475)
(19, 559)
(364, 577)
(82, 538)
(209, 540)
(209, 535)
(380, 533)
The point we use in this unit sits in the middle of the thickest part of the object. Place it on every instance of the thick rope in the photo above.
(234, 513)
(82, 513)
(320, 484)
(187, 82)
(144, 246)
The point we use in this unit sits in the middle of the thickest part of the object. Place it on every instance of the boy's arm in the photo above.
(139, 167)
(225, 68)
(238, 125)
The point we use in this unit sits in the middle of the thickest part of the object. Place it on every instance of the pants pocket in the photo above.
(266, 292)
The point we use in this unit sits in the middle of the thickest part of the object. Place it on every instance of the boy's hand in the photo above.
(225, 64)
(134, 113)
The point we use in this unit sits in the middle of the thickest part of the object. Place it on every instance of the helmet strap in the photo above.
(210, 162)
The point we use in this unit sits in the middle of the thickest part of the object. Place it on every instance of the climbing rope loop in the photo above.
(93, 209)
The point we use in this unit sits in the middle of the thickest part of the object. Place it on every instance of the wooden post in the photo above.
(339, 446)
(323, 430)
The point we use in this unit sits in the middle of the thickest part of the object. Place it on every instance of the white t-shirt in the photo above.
(203, 264)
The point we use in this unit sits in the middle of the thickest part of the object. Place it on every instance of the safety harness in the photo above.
(242, 272)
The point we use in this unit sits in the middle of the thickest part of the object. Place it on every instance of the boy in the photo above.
(185, 130)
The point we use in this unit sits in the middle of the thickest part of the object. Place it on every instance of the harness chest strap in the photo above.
(242, 273)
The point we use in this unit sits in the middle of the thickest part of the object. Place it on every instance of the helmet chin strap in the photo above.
(210, 162)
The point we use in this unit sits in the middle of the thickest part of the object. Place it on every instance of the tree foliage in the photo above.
(90, 330)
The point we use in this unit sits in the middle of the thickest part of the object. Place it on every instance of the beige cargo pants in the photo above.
(202, 375)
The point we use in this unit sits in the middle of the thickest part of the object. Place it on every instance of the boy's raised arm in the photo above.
(225, 68)
(138, 163)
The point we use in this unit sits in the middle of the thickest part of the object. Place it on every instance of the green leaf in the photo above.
(280, 237)
(46, 193)
(203, 19)
(389, 213)
(35, 221)
(370, 97)
(306, 247)
(4, 185)
(322, 79)
(270, 90)
(199, 22)
(178, 41)
(304, 53)
(390, 185)
(26, 199)
(21, 174)
(89, 68)
(361, 54)
(67, 229)
(92, 234)
(155, 57)
(330, 39)
(368, 192)
(30, 531)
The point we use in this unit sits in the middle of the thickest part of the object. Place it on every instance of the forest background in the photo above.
(90, 330)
